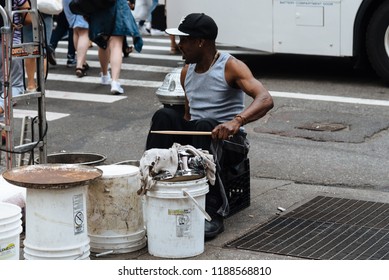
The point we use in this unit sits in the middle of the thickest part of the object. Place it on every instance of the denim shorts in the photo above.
(74, 20)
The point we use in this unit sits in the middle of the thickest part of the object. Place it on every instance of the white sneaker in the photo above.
(157, 32)
(105, 79)
(143, 30)
(116, 88)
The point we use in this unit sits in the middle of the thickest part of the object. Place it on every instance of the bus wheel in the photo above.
(377, 41)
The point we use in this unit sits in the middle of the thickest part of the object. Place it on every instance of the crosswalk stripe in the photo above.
(154, 40)
(103, 98)
(96, 80)
(146, 39)
(132, 55)
(50, 116)
(329, 98)
(227, 48)
(127, 66)
(150, 39)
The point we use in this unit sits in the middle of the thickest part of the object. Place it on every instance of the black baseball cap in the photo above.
(197, 25)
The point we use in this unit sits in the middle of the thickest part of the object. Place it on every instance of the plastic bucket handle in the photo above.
(206, 215)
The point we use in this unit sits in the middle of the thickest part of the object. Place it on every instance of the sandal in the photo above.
(85, 66)
(80, 72)
(127, 51)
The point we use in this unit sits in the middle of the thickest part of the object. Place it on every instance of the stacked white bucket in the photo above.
(115, 216)
(56, 224)
(10, 229)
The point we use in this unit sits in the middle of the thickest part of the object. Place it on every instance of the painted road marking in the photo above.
(127, 66)
(96, 80)
(68, 95)
(330, 98)
(50, 116)
(132, 55)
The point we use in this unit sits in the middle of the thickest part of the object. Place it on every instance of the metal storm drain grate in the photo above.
(325, 228)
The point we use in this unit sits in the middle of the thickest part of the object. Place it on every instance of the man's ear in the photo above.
(201, 43)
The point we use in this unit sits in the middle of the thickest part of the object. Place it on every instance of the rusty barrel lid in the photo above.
(51, 176)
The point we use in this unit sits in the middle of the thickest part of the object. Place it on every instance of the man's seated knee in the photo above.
(206, 124)
(165, 113)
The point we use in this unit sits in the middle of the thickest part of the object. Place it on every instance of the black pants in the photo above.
(170, 119)
(60, 30)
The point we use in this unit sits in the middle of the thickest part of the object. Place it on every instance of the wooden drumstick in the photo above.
(178, 132)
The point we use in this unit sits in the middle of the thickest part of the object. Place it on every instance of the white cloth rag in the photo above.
(155, 161)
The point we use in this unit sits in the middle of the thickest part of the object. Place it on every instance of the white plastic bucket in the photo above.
(56, 224)
(174, 223)
(10, 229)
(115, 216)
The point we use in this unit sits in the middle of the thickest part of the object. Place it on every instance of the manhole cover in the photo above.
(316, 126)
(326, 228)
(322, 125)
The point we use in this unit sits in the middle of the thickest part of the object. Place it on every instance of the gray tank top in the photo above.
(210, 96)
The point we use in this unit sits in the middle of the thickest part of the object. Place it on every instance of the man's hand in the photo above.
(226, 130)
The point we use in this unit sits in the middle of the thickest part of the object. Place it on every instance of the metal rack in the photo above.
(22, 51)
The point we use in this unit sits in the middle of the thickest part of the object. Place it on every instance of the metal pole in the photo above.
(6, 39)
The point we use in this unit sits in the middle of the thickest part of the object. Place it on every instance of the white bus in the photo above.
(357, 29)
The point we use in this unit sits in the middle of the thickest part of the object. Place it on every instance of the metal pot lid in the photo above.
(51, 176)
(180, 176)
(183, 178)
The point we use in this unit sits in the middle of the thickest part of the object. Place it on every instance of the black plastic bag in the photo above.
(88, 7)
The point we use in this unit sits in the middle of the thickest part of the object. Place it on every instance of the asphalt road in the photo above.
(328, 126)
